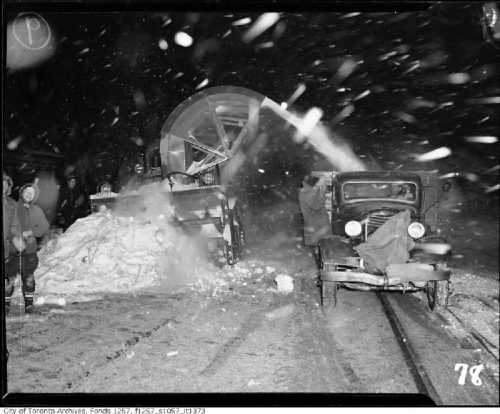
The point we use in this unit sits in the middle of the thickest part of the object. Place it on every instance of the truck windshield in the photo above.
(398, 190)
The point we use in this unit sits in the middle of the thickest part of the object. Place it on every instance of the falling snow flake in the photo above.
(349, 15)
(299, 91)
(183, 39)
(482, 139)
(162, 43)
(242, 22)
(405, 117)
(362, 95)
(458, 78)
(202, 84)
(265, 45)
(264, 22)
(438, 153)
(491, 189)
(489, 100)
(12, 145)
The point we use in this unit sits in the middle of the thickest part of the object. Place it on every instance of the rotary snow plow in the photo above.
(193, 167)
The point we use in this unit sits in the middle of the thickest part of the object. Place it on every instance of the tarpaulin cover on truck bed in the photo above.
(389, 244)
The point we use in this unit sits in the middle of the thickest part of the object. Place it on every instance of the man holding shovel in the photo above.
(25, 260)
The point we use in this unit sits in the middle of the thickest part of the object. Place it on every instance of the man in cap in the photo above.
(73, 203)
(25, 261)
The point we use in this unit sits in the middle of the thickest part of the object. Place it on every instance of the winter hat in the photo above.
(9, 182)
(35, 187)
(311, 180)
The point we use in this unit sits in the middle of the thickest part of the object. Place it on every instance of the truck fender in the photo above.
(335, 249)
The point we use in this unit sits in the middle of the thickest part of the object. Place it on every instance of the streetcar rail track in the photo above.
(417, 369)
(484, 342)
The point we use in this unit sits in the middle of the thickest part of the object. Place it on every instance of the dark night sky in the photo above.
(416, 75)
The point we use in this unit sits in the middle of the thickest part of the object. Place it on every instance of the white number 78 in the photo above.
(474, 373)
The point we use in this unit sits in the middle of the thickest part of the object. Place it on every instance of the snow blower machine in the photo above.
(197, 167)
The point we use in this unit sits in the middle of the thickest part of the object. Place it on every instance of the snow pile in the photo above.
(107, 253)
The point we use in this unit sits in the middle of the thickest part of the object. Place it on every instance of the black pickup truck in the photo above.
(385, 234)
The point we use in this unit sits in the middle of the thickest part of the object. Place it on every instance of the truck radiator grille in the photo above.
(374, 221)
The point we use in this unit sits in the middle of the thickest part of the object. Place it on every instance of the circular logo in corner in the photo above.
(31, 30)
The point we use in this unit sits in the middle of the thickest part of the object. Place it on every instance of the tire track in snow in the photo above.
(337, 374)
(135, 340)
(249, 325)
(128, 344)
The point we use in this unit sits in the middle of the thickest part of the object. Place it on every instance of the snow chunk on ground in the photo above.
(285, 283)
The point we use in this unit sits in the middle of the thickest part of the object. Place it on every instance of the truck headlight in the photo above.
(416, 230)
(353, 228)
(139, 168)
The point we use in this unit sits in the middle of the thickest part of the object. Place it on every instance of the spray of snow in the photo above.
(309, 121)
(324, 141)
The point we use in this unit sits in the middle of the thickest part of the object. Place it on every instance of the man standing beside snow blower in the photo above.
(25, 260)
(317, 224)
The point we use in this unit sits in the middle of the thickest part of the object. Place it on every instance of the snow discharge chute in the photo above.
(208, 128)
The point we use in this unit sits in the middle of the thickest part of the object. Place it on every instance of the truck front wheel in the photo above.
(329, 293)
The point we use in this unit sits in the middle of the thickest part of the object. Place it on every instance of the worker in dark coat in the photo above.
(11, 227)
(25, 260)
(73, 203)
(317, 224)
